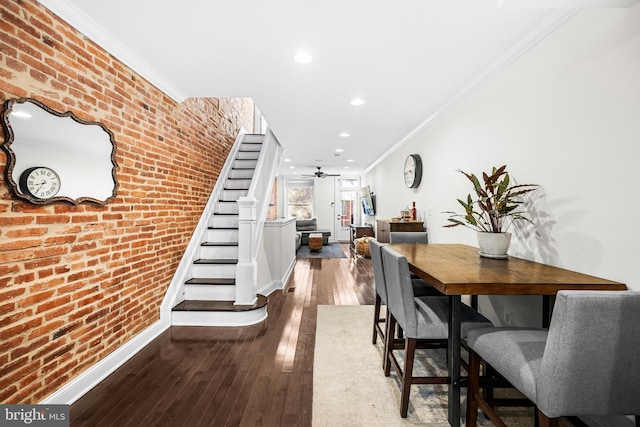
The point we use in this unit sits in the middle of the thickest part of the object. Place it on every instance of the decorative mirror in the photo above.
(56, 156)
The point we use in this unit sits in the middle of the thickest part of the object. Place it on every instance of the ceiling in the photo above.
(409, 60)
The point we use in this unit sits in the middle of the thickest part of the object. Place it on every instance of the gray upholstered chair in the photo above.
(408, 237)
(411, 237)
(585, 364)
(381, 289)
(420, 288)
(424, 321)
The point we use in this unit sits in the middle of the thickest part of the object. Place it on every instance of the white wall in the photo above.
(565, 115)
(277, 255)
(324, 204)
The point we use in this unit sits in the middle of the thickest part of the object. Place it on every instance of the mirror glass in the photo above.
(79, 152)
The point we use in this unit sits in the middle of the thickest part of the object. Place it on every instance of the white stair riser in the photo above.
(241, 173)
(248, 155)
(222, 235)
(255, 137)
(242, 184)
(245, 164)
(210, 292)
(224, 221)
(218, 318)
(227, 207)
(219, 252)
(214, 271)
(233, 194)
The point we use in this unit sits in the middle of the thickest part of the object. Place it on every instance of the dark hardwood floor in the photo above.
(259, 375)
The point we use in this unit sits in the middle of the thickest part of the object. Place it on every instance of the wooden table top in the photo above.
(457, 269)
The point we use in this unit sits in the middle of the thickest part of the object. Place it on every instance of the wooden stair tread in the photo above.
(219, 244)
(195, 305)
(216, 261)
(210, 281)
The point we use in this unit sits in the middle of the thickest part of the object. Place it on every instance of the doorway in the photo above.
(346, 199)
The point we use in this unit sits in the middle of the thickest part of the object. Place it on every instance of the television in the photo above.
(367, 197)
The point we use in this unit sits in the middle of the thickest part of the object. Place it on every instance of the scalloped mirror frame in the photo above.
(82, 165)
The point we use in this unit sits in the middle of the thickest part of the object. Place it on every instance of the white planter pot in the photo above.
(494, 245)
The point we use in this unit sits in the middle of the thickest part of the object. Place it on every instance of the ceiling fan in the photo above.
(320, 174)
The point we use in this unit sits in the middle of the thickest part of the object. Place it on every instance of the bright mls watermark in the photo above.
(34, 415)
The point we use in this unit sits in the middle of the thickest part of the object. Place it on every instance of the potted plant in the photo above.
(493, 211)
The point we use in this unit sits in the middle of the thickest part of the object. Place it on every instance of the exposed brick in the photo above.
(78, 281)
(27, 232)
(53, 219)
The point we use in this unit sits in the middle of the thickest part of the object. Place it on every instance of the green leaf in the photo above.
(496, 205)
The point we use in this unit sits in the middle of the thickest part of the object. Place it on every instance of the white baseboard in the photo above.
(82, 384)
(274, 285)
(278, 285)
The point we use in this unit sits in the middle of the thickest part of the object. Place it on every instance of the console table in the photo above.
(385, 226)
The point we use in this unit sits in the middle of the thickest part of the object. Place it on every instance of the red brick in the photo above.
(27, 232)
(87, 275)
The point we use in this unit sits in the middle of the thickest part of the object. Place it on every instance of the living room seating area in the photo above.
(304, 227)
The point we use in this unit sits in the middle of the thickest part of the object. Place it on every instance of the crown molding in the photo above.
(79, 20)
(539, 33)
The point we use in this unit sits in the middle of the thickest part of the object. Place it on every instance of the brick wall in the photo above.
(76, 282)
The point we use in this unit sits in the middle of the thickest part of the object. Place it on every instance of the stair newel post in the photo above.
(247, 267)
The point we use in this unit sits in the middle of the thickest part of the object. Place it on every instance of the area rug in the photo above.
(350, 389)
(332, 250)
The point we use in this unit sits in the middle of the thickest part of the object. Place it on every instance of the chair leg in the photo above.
(637, 420)
(376, 318)
(407, 375)
(388, 346)
(473, 387)
(545, 421)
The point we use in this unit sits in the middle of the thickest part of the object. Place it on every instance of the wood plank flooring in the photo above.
(259, 375)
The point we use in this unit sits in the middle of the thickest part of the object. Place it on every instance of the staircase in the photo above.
(210, 291)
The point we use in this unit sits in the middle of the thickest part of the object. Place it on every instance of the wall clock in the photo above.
(40, 182)
(413, 170)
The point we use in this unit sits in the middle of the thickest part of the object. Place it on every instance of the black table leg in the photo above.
(455, 313)
(547, 307)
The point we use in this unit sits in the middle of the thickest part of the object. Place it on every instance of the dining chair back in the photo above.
(408, 237)
(381, 289)
(424, 321)
(585, 364)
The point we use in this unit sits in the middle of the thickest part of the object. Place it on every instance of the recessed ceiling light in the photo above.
(339, 150)
(292, 167)
(357, 101)
(303, 58)
(287, 160)
(345, 135)
(346, 167)
(350, 160)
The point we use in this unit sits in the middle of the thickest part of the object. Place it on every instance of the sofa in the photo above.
(304, 227)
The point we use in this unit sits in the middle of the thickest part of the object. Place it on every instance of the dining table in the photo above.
(458, 269)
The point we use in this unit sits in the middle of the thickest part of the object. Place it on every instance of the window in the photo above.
(300, 198)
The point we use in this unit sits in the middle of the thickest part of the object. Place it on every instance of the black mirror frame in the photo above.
(11, 156)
